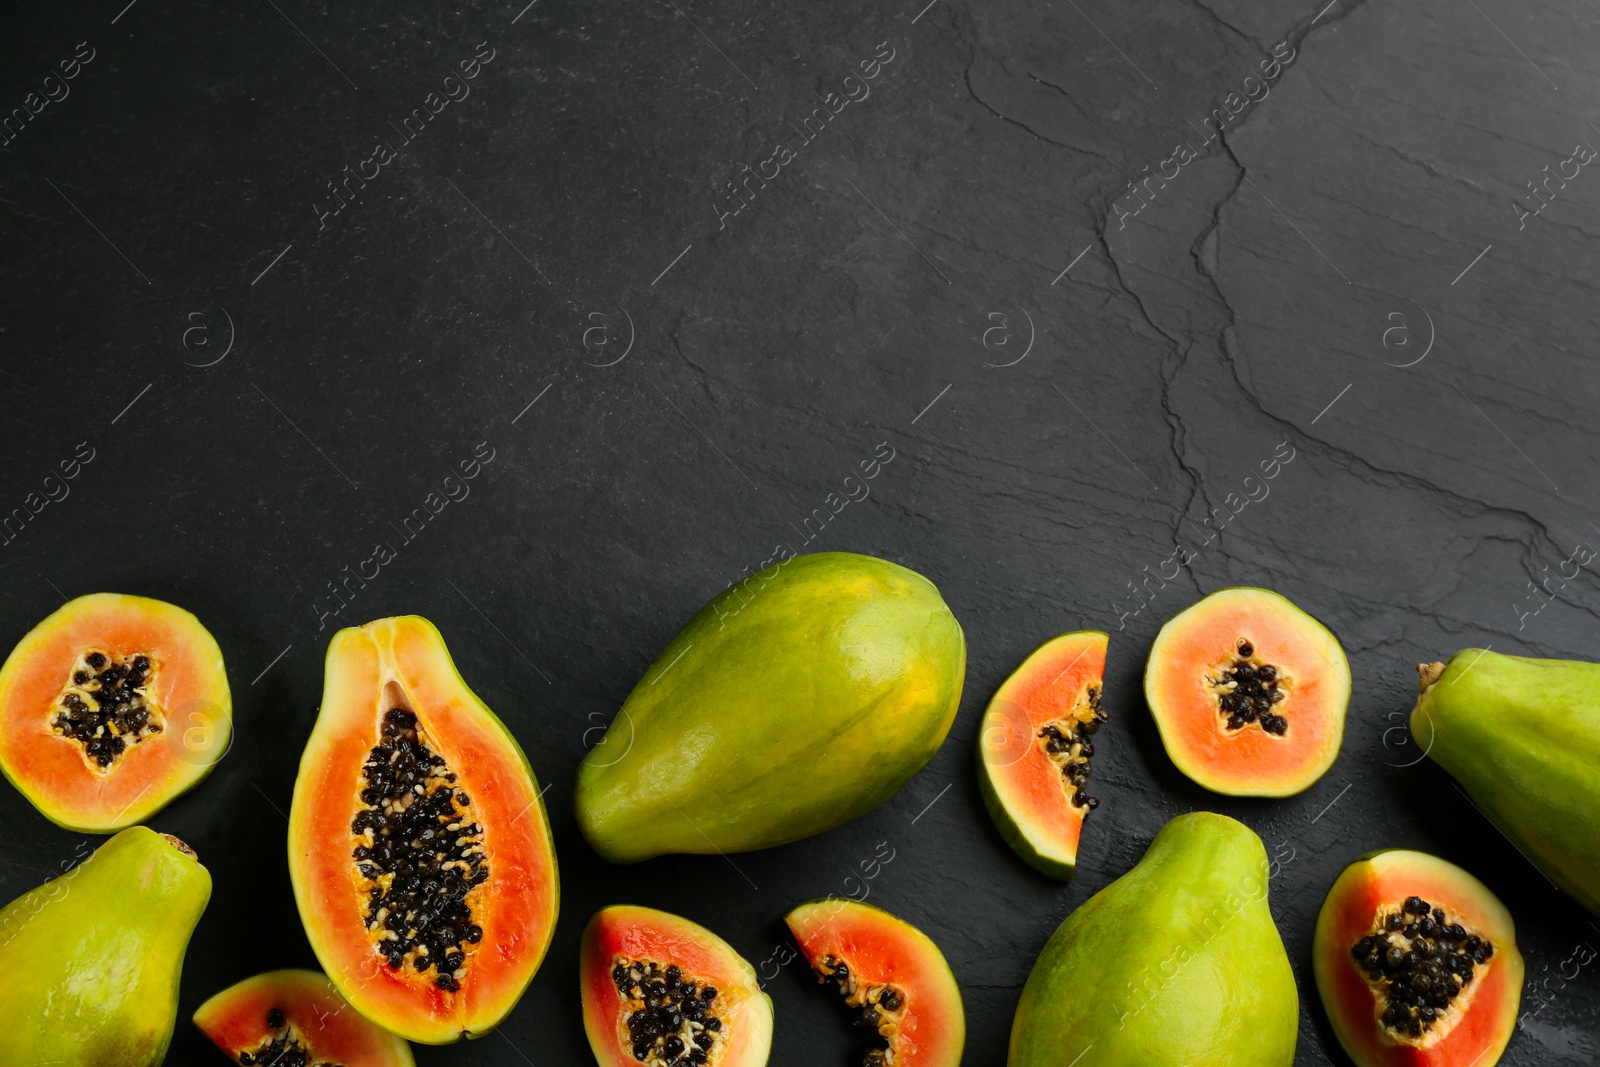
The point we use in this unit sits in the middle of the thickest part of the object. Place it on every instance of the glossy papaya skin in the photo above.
(1175, 964)
(792, 702)
(1522, 736)
(93, 958)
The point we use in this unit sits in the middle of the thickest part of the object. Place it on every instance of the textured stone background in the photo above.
(295, 391)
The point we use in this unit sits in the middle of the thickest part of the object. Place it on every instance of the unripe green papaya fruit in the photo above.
(796, 700)
(93, 957)
(1175, 964)
(1522, 736)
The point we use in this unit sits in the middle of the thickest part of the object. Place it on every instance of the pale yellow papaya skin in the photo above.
(1522, 736)
(1175, 964)
(93, 958)
(796, 700)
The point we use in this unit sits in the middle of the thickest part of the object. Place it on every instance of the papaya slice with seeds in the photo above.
(1035, 750)
(1417, 964)
(111, 708)
(296, 1017)
(663, 991)
(1249, 693)
(419, 847)
(892, 974)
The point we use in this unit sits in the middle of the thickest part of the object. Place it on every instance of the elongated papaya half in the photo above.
(419, 847)
(663, 991)
(1249, 693)
(111, 708)
(799, 699)
(892, 974)
(1034, 750)
(1522, 736)
(296, 1019)
(1417, 964)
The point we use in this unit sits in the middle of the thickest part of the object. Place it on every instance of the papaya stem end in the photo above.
(1428, 673)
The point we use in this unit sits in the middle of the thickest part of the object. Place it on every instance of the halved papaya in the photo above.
(664, 991)
(294, 1017)
(110, 708)
(1034, 750)
(419, 848)
(1249, 693)
(892, 974)
(1417, 964)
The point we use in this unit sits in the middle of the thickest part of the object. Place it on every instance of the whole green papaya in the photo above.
(93, 957)
(798, 699)
(1522, 736)
(1175, 964)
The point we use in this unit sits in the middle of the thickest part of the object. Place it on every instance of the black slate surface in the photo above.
(953, 269)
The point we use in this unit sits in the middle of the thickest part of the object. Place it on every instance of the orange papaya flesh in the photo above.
(296, 1017)
(1417, 964)
(1249, 693)
(419, 848)
(110, 708)
(1035, 750)
(892, 974)
(661, 990)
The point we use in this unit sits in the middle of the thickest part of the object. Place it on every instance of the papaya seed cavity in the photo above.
(1418, 962)
(672, 1021)
(420, 854)
(106, 706)
(1066, 742)
(282, 1049)
(880, 1007)
(1248, 690)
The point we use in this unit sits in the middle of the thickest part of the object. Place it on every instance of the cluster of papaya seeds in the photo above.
(1185, 963)
(419, 847)
(296, 1018)
(95, 955)
(110, 708)
(844, 671)
(1417, 964)
(1249, 693)
(663, 991)
(1522, 737)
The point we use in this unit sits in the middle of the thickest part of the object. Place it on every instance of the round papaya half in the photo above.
(664, 991)
(1417, 964)
(1249, 693)
(296, 1017)
(1034, 750)
(892, 974)
(419, 848)
(110, 708)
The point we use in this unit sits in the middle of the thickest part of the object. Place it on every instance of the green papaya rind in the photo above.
(1013, 834)
(1522, 737)
(1175, 964)
(791, 703)
(95, 956)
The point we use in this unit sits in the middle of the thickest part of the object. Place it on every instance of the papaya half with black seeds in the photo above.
(296, 1018)
(1522, 736)
(891, 974)
(1249, 693)
(661, 990)
(110, 708)
(1035, 748)
(794, 701)
(419, 848)
(1417, 964)
(1175, 964)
